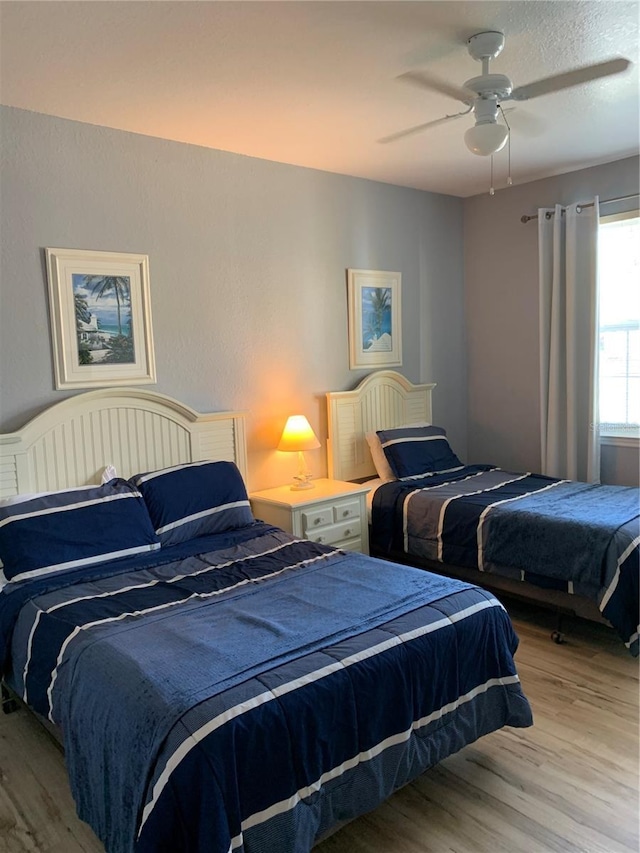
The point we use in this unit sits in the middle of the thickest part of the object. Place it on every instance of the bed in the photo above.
(573, 546)
(218, 684)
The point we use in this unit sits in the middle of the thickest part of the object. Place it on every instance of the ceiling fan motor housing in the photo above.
(485, 110)
(490, 85)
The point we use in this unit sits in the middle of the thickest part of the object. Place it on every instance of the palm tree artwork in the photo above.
(376, 319)
(110, 342)
(103, 285)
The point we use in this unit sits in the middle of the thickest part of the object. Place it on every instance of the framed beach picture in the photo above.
(375, 319)
(100, 318)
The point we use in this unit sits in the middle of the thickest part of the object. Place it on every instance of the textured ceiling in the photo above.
(315, 83)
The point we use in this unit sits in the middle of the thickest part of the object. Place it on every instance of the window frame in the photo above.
(630, 436)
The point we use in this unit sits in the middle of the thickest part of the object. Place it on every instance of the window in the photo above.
(619, 310)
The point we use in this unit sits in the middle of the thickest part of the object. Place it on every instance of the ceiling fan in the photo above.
(484, 95)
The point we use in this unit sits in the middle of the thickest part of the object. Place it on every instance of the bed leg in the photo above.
(557, 635)
(9, 703)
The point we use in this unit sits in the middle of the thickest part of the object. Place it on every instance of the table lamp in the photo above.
(297, 436)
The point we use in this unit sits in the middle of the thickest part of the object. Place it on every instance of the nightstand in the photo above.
(332, 512)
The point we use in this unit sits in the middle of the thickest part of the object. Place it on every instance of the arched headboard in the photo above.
(383, 400)
(134, 430)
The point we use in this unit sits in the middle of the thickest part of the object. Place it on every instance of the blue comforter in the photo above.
(249, 693)
(578, 537)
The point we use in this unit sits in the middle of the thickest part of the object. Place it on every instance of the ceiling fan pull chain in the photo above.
(504, 118)
(491, 188)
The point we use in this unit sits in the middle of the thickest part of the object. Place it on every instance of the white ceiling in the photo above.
(314, 83)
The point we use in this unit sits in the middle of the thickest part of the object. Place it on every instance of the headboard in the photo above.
(383, 400)
(71, 443)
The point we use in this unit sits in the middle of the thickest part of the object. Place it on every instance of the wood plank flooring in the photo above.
(568, 784)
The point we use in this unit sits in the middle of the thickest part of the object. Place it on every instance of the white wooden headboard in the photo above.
(135, 430)
(383, 400)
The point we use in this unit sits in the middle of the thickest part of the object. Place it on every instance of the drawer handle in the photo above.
(319, 539)
(345, 513)
(316, 521)
(347, 533)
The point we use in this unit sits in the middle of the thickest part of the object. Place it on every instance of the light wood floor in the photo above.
(569, 783)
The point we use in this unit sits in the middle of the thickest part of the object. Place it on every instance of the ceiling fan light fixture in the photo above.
(486, 139)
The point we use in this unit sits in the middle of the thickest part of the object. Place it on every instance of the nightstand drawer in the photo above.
(345, 510)
(335, 533)
(317, 518)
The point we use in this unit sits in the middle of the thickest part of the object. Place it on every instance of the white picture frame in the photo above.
(375, 318)
(100, 315)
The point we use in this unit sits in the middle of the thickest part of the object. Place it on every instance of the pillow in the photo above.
(416, 451)
(377, 453)
(17, 499)
(55, 531)
(379, 459)
(194, 500)
(108, 473)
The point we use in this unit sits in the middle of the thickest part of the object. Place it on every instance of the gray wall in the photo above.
(248, 264)
(501, 286)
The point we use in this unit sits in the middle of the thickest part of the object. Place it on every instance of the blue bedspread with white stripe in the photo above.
(578, 537)
(248, 697)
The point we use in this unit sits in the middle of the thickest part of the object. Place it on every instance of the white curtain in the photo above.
(567, 245)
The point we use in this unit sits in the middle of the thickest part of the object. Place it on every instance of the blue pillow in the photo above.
(194, 500)
(417, 451)
(62, 530)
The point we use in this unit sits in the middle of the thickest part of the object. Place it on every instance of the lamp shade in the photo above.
(486, 138)
(298, 435)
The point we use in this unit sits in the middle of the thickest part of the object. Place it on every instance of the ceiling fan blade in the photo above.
(420, 127)
(569, 78)
(427, 81)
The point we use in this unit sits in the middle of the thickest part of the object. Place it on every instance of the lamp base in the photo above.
(301, 483)
(301, 480)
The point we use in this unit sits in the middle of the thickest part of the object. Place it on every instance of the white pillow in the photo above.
(377, 453)
(16, 499)
(109, 473)
(379, 459)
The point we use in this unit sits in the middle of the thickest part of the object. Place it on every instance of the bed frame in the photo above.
(384, 400)
(70, 443)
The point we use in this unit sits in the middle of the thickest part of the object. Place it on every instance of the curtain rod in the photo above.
(524, 219)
